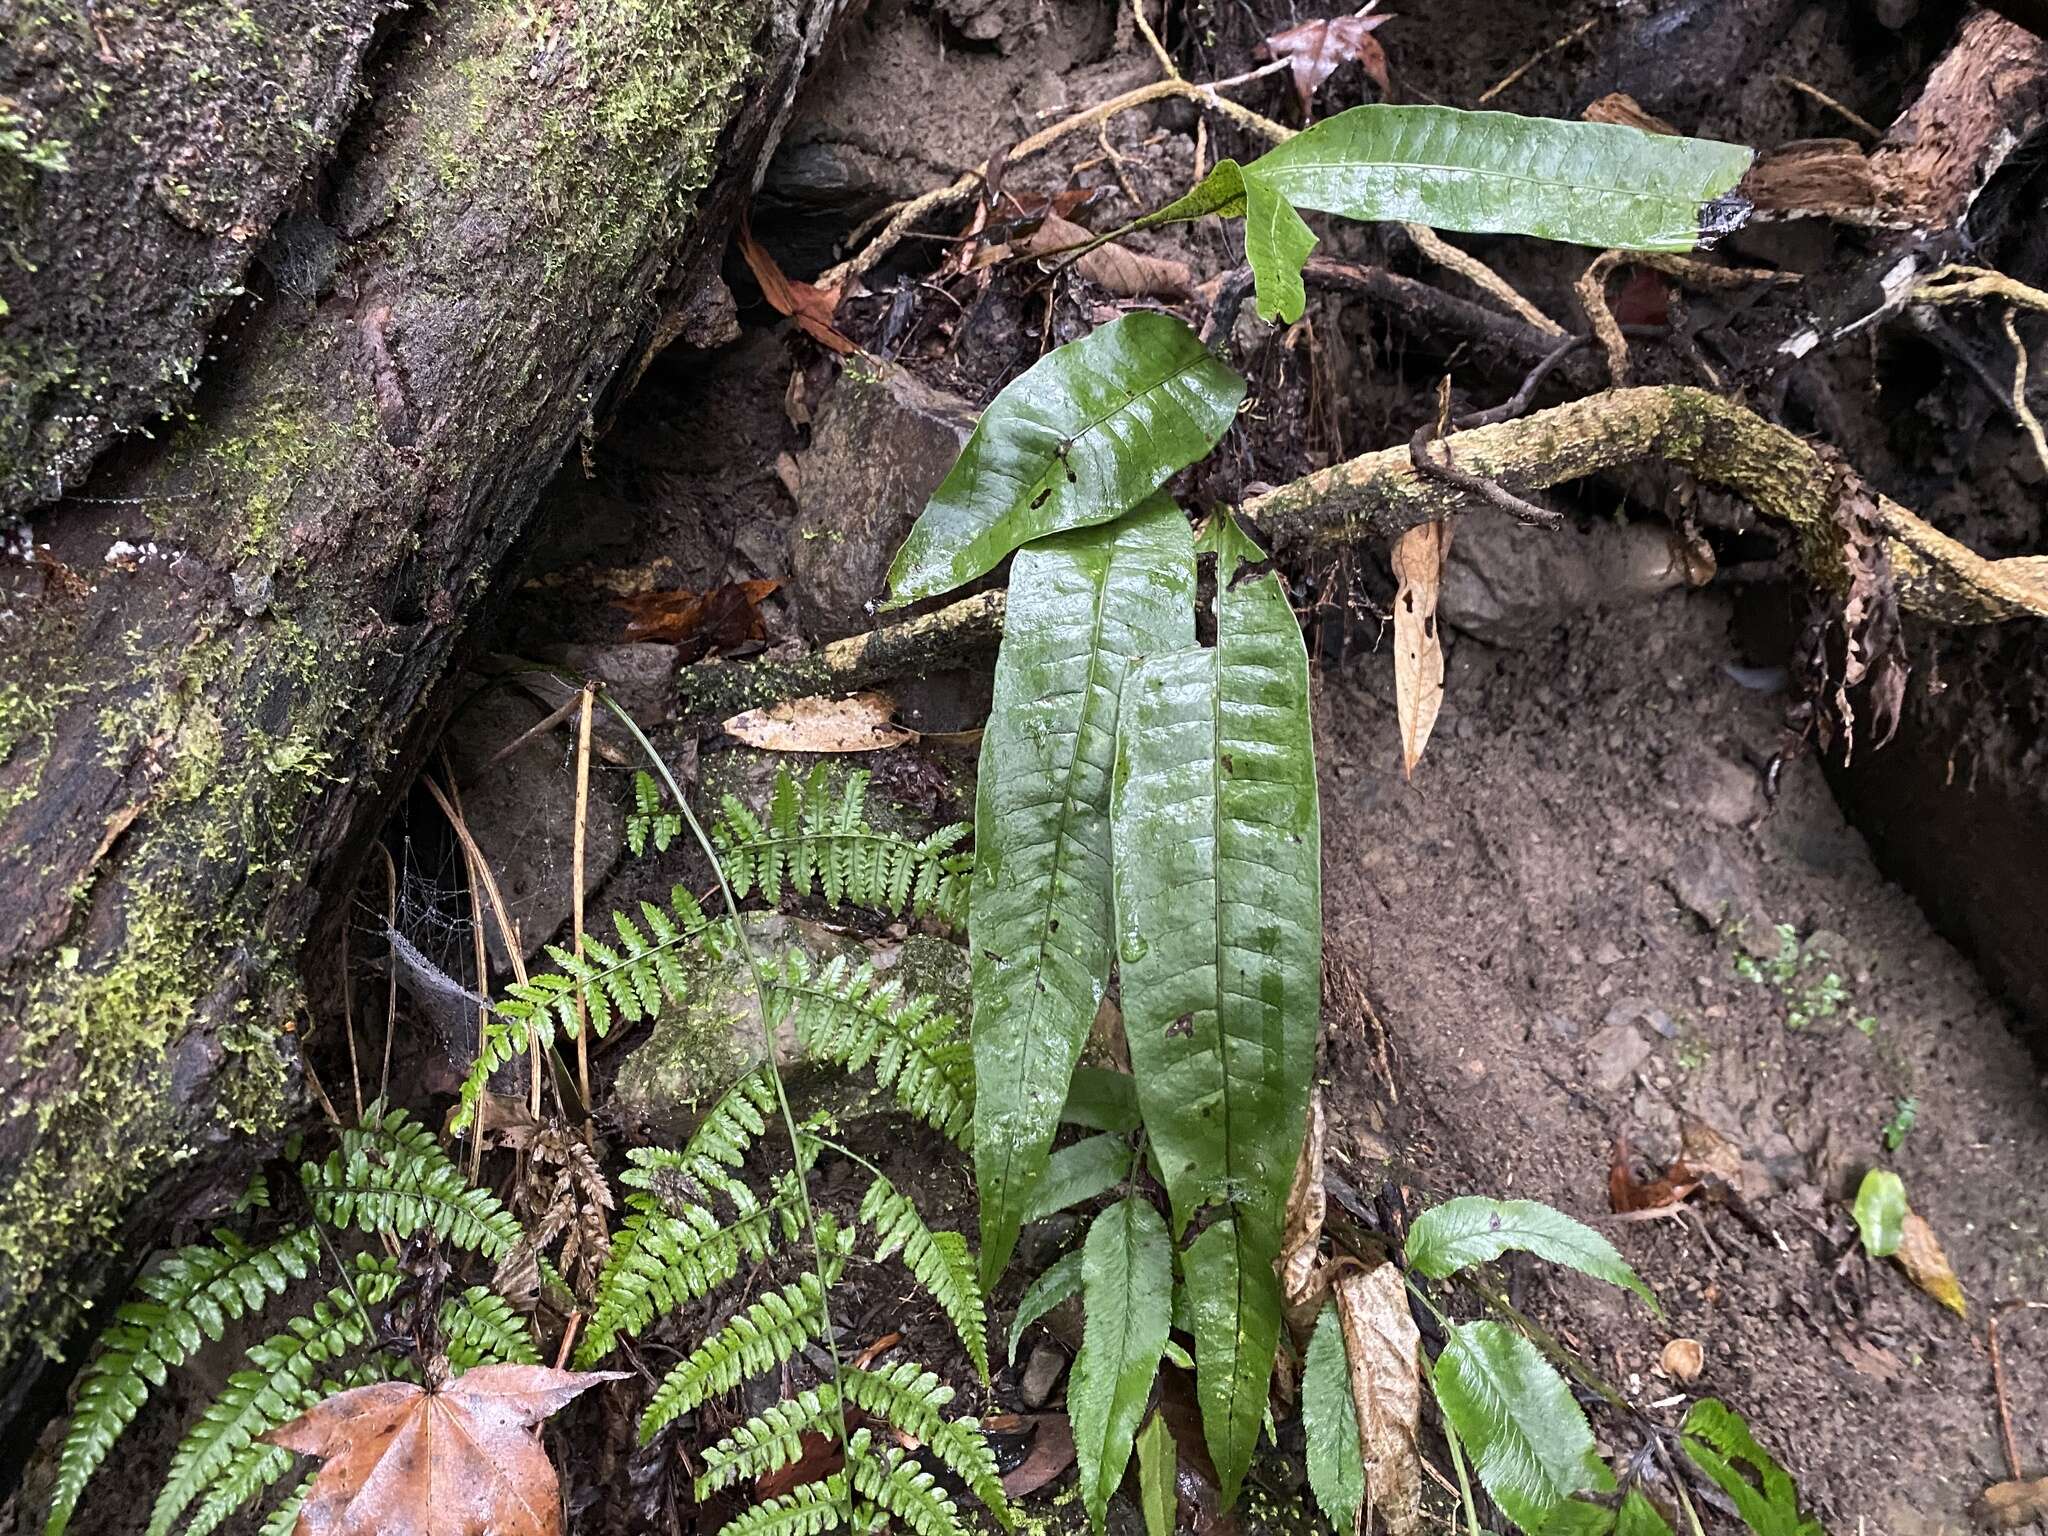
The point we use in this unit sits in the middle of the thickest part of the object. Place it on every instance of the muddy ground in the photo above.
(1562, 939)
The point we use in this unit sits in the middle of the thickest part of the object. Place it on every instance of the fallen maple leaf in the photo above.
(456, 1457)
(1315, 49)
(1418, 557)
(860, 723)
(1919, 1255)
(810, 306)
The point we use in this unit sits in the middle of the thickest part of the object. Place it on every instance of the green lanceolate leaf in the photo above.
(1880, 1212)
(1474, 1229)
(1061, 1279)
(1126, 1270)
(1235, 1298)
(1079, 438)
(1158, 1476)
(1102, 1100)
(1529, 1440)
(1081, 606)
(1639, 1517)
(1593, 184)
(1090, 1167)
(1329, 1421)
(1720, 1445)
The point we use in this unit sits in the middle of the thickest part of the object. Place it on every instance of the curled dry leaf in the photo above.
(1919, 1254)
(860, 723)
(1051, 1453)
(1384, 1350)
(457, 1457)
(810, 306)
(1301, 1242)
(1418, 557)
(1315, 49)
(1127, 274)
(2008, 1506)
(722, 619)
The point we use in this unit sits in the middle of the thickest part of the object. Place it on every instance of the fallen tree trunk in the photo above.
(217, 659)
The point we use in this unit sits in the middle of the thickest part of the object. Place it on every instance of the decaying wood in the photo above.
(227, 650)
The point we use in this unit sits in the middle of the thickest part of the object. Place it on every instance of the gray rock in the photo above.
(880, 445)
(1613, 1054)
(1721, 894)
(1724, 792)
(1042, 1373)
(1509, 584)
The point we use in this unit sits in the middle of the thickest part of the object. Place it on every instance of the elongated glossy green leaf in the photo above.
(1329, 1422)
(1218, 900)
(1593, 184)
(1474, 1229)
(1081, 437)
(1090, 1167)
(1880, 1212)
(1639, 1517)
(1126, 1269)
(1529, 1441)
(1081, 606)
(1235, 1297)
(1061, 1279)
(1158, 1476)
(1102, 1100)
(1718, 1441)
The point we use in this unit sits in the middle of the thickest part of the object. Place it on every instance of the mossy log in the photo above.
(220, 652)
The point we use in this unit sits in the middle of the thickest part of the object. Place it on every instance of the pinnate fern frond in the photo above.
(390, 1175)
(939, 1261)
(817, 842)
(771, 1438)
(759, 1339)
(894, 1483)
(191, 1296)
(284, 1520)
(648, 820)
(721, 1141)
(479, 1327)
(914, 1400)
(809, 1509)
(851, 1017)
(256, 1467)
(273, 1389)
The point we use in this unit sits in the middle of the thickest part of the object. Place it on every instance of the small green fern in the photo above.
(479, 1327)
(814, 841)
(254, 1469)
(648, 820)
(900, 1488)
(939, 1261)
(806, 1510)
(850, 1017)
(390, 1175)
(187, 1299)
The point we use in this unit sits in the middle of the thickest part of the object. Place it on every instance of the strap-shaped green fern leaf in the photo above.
(851, 1017)
(256, 1467)
(939, 1261)
(817, 842)
(771, 1438)
(648, 819)
(390, 1175)
(479, 1327)
(806, 1510)
(914, 1400)
(282, 1371)
(911, 1495)
(189, 1297)
(759, 1339)
(627, 980)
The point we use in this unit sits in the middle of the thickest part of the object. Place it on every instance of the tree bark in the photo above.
(219, 655)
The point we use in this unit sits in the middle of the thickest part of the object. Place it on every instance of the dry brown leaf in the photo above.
(1384, 1349)
(860, 723)
(1418, 557)
(457, 1457)
(2008, 1506)
(1051, 1453)
(723, 619)
(1125, 273)
(1920, 1256)
(1301, 1242)
(1625, 1192)
(1315, 49)
(810, 306)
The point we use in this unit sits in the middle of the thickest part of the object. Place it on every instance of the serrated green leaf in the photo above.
(1474, 1229)
(1528, 1438)
(1718, 1441)
(1235, 1298)
(1881, 1212)
(1329, 1421)
(1158, 1476)
(1081, 606)
(1061, 1279)
(1126, 1270)
(1101, 1100)
(1079, 438)
(1078, 1173)
(1596, 184)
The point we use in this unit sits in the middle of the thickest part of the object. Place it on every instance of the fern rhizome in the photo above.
(690, 1220)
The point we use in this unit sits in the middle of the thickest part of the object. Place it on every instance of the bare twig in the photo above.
(1538, 57)
(588, 695)
(1592, 291)
(1492, 494)
(1517, 403)
(391, 965)
(1856, 120)
(1152, 40)
(2005, 1434)
(537, 729)
(2020, 408)
(1479, 274)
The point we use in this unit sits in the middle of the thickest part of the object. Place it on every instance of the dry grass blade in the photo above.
(1384, 1349)
(1418, 557)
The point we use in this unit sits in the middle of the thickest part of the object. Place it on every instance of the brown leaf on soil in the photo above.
(810, 306)
(457, 1457)
(1302, 1240)
(2008, 1506)
(860, 723)
(1384, 1349)
(723, 619)
(1418, 557)
(1920, 1256)
(1051, 1453)
(1625, 1192)
(1315, 49)
(1125, 273)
